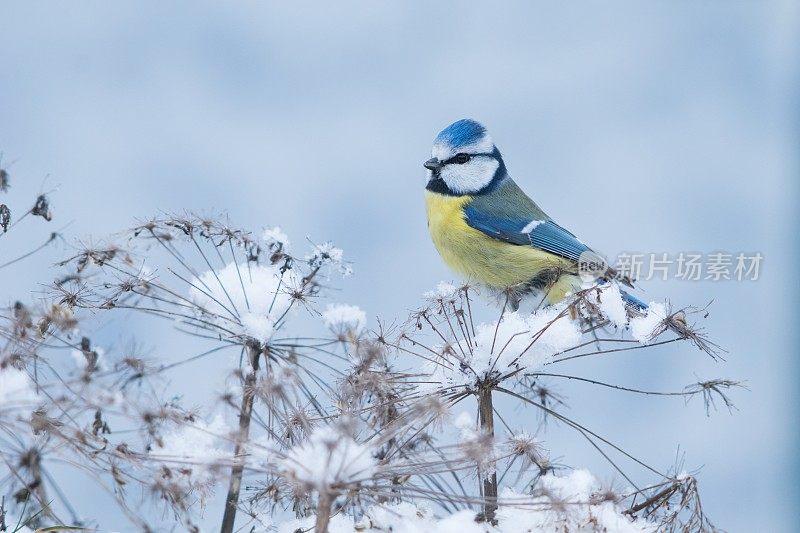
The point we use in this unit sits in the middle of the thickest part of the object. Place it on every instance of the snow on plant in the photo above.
(344, 319)
(196, 449)
(326, 254)
(16, 388)
(443, 291)
(218, 286)
(611, 304)
(346, 428)
(44, 414)
(573, 502)
(403, 517)
(329, 462)
(330, 458)
(276, 240)
(650, 325)
(515, 341)
(88, 359)
(248, 299)
(512, 357)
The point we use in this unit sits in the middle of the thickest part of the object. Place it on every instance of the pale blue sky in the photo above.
(653, 127)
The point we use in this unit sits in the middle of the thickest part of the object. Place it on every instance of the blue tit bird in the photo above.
(488, 230)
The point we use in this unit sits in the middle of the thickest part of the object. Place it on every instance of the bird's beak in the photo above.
(433, 164)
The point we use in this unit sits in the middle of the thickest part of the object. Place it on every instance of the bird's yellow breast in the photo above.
(477, 256)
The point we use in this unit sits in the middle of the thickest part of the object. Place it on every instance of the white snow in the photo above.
(16, 388)
(275, 238)
(326, 254)
(329, 457)
(465, 423)
(258, 326)
(520, 340)
(11, 522)
(267, 297)
(609, 299)
(82, 363)
(342, 318)
(645, 328)
(193, 448)
(443, 291)
(564, 504)
(397, 518)
(576, 510)
(105, 398)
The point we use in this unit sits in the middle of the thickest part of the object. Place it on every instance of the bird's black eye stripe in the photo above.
(462, 158)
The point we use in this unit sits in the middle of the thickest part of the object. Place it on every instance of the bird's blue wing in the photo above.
(633, 303)
(542, 234)
(551, 237)
(504, 229)
(509, 215)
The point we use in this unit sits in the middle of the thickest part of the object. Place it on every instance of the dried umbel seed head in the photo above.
(5, 217)
(527, 445)
(42, 208)
(678, 320)
(433, 409)
(604, 495)
(4, 184)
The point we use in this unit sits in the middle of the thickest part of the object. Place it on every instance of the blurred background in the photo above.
(649, 127)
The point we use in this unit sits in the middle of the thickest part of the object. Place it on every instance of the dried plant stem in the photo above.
(324, 504)
(35, 468)
(245, 415)
(489, 477)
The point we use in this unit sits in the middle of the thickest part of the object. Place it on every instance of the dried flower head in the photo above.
(42, 208)
(5, 217)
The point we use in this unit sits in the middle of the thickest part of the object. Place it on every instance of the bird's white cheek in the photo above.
(470, 177)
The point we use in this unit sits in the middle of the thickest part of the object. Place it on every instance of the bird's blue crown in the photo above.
(463, 132)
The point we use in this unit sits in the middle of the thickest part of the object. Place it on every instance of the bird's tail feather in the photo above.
(633, 305)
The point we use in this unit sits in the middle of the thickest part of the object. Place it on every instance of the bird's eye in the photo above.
(461, 158)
